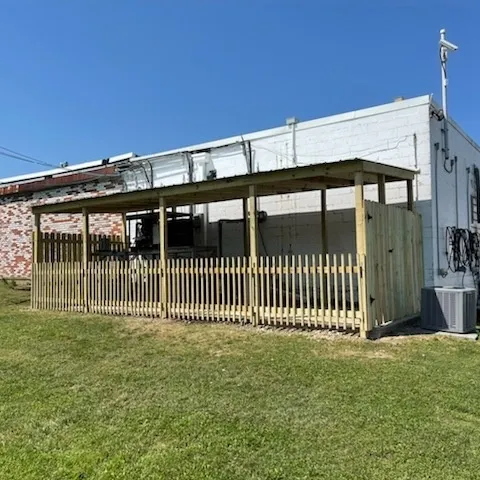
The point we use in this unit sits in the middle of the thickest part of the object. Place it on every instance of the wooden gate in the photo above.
(394, 263)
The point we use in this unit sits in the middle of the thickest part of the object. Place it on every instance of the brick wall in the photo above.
(16, 222)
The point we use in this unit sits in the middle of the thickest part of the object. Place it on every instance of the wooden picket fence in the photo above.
(341, 292)
(67, 247)
(303, 290)
(308, 291)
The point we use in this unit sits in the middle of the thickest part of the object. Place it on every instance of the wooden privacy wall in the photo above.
(67, 247)
(311, 291)
(394, 266)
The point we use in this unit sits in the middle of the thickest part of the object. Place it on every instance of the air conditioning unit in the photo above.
(449, 309)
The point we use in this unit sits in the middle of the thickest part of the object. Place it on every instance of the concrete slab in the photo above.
(464, 336)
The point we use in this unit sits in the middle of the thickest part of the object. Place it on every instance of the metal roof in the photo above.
(31, 177)
(277, 182)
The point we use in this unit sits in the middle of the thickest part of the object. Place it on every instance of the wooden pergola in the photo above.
(348, 173)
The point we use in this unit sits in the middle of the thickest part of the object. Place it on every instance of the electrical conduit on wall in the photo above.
(440, 271)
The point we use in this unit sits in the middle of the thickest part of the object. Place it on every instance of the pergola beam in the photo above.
(381, 189)
(291, 180)
(410, 203)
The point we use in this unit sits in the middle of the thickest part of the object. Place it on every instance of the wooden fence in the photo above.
(67, 247)
(394, 263)
(336, 291)
(310, 291)
(289, 290)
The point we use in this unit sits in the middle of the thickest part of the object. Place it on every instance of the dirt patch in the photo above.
(210, 330)
(198, 333)
(378, 354)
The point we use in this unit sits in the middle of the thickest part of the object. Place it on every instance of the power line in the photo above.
(26, 158)
(32, 160)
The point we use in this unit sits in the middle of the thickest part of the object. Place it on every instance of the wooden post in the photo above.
(361, 241)
(381, 189)
(162, 223)
(324, 223)
(124, 234)
(36, 237)
(85, 237)
(323, 193)
(246, 246)
(85, 258)
(253, 234)
(410, 195)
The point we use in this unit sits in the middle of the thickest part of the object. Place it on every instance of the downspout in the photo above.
(294, 143)
(292, 123)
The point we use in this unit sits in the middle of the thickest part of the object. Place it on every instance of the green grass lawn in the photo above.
(90, 397)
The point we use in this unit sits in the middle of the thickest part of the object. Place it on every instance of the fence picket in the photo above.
(315, 293)
(274, 312)
(329, 290)
(335, 286)
(351, 288)
(308, 291)
(300, 286)
(323, 290)
(344, 291)
(311, 290)
(268, 292)
(239, 289)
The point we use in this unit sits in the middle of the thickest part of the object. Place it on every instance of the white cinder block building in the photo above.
(405, 133)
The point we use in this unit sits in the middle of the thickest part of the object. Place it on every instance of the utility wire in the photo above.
(319, 155)
(32, 160)
(25, 158)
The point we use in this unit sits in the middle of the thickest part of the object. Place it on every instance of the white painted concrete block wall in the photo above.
(400, 134)
(468, 154)
(396, 134)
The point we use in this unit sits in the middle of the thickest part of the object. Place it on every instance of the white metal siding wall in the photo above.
(468, 154)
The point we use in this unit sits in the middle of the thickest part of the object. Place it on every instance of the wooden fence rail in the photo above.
(307, 290)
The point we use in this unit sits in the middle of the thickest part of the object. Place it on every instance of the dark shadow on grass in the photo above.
(12, 294)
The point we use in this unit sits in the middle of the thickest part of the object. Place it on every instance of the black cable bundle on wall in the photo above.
(463, 251)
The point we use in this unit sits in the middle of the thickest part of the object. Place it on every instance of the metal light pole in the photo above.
(445, 47)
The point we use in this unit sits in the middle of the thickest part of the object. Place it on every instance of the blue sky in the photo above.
(88, 79)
